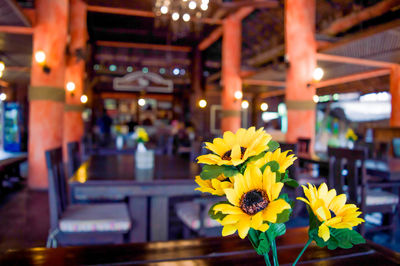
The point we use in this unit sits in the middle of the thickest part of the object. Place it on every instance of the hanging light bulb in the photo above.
(2, 66)
(3, 96)
(164, 10)
(186, 17)
(204, 6)
(175, 16)
(316, 98)
(192, 4)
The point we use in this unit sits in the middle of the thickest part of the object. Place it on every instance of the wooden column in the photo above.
(301, 53)
(197, 92)
(75, 72)
(231, 81)
(46, 92)
(395, 92)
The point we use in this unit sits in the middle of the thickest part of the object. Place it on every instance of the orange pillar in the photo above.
(46, 92)
(75, 72)
(231, 81)
(395, 92)
(300, 51)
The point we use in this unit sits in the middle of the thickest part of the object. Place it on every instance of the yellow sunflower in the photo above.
(214, 186)
(234, 149)
(282, 158)
(330, 209)
(142, 135)
(253, 202)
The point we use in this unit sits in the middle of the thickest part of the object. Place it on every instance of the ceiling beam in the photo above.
(250, 3)
(363, 34)
(353, 60)
(16, 30)
(355, 18)
(210, 39)
(271, 83)
(353, 77)
(273, 93)
(142, 13)
(160, 47)
(217, 33)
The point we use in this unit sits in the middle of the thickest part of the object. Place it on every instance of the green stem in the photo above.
(302, 251)
(266, 258)
(274, 252)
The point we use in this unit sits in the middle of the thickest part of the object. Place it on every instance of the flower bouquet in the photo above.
(144, 157)
(351, 138)
(248, 170)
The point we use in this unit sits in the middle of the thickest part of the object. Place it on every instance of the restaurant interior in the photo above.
(112, 114)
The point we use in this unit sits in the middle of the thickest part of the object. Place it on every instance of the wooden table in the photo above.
(9, 164)
(389, 170)
(203, 251)
(114, 177)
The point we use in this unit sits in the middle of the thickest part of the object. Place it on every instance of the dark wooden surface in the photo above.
(204, 251)
(390, 169)
(121, 167)
(114, 177)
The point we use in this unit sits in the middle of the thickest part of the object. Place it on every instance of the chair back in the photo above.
(303, 145)
(74, 157)
(346, 167)
(396, 147)
(294, 168)
(58, 198)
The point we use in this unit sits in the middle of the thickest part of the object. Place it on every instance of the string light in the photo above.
(2, 66)
(192, 4)
(315, 98)
(164, 10)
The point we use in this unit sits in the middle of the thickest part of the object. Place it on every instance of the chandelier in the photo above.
(181, 15)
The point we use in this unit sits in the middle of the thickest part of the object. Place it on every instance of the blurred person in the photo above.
(104, 124)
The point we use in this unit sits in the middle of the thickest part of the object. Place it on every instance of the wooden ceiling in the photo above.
(375, 37)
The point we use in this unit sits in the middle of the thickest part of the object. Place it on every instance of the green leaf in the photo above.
(290, 182)
(276, 229)
(213, 171)
(314, 222)
(264, 244)
(356, 238)
(253, 237)
(217, 214)
(272, 145)
(274, 165)
(255, 158)
(332, 243)
(313, 234)
(283, 217)
(285, 197)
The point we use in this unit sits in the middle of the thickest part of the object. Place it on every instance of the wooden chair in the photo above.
(81, 224)
(304, 145)
(301, 176)
(396, 147)
(74, 157)
(347, 174)
(194, 215)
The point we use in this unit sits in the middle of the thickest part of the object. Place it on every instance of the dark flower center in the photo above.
(227, 155)
(254, 201)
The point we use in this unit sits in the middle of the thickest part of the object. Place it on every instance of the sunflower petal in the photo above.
(228, 230)
(231, 196)
(230, 219)
(243, 226)
(323, 232)
(229, 138)
(227, 209)
(273, 209)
